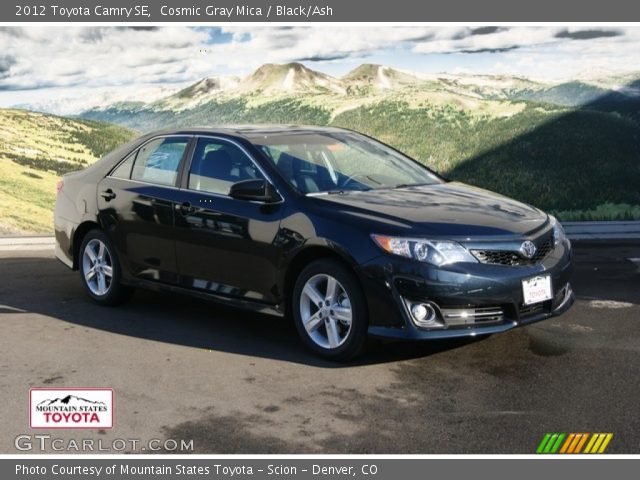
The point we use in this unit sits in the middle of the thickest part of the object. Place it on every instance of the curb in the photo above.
(31, 242)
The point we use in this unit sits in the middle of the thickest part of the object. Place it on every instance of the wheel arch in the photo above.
(304, 257)
(78, 236)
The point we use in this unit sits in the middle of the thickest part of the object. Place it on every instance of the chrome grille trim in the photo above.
(472, 315)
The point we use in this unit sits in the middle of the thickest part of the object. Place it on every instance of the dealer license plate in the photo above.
(537, 289)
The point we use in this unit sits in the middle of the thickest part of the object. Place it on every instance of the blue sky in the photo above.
(66, 68)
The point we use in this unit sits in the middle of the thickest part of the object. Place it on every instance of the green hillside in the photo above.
(563, 160)
(35, 149)
(568, 94)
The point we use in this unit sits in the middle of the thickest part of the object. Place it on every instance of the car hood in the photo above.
(446, 209)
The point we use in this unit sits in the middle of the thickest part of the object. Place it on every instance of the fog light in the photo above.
(423, 314)
(419, 311)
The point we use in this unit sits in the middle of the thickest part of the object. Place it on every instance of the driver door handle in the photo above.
(185, 208)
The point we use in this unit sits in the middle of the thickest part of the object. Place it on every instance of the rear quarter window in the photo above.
(124, 169)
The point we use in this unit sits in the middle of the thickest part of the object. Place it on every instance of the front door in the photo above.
(225, 246)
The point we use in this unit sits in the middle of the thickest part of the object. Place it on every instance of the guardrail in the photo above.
(599, 231)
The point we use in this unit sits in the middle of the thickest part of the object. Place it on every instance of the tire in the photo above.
(104, 285)
(336, 330)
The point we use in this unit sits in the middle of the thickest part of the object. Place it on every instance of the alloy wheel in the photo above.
(97, 267)
(325, 310)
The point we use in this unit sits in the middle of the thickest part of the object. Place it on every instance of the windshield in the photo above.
(336, 162)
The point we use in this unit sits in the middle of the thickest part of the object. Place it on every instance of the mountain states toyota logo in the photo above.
(71, 408)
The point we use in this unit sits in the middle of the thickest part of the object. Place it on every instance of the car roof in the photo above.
(250, 131)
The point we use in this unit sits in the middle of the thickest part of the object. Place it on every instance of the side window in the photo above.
(216, 165)
(124, 169)
(158, 161)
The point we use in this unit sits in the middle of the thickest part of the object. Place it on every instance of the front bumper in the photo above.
(390, 282)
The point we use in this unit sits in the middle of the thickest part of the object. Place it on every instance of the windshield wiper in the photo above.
(339, 191)
(325, 192)
(406, 185)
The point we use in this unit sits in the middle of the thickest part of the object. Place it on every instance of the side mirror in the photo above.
(258, 190)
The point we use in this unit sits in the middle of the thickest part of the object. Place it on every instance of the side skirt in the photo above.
(259, 307)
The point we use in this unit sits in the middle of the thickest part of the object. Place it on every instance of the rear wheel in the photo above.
(329, 310)
(100, 270)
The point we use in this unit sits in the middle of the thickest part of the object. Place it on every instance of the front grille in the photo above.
(514, 257)
(543, 250)
(498, 257)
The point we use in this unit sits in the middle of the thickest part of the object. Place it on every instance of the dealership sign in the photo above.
(71, 408)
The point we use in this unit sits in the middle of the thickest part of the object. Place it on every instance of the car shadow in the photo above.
(51, 290)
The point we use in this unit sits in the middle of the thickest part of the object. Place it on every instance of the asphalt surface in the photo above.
(236, 382)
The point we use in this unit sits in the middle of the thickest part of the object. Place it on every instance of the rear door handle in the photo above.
(108, 195)
(185, 208)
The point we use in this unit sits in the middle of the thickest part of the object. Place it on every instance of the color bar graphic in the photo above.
(598, 442)
(574, 443)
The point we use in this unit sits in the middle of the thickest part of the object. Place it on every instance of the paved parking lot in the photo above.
(237, 382)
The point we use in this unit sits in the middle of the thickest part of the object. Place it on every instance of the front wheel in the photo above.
(330, 311)
(100, 270)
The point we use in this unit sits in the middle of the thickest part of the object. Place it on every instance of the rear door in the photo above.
(136, 205)
(226, 246)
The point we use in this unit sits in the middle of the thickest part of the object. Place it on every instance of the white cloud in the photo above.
(502, 39)
(98, 57)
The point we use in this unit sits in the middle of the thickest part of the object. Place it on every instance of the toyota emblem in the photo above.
(528, 249)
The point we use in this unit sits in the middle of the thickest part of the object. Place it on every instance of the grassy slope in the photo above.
(35, 149)
(555, 158)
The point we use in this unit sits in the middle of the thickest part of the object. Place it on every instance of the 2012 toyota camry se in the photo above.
(346, 235)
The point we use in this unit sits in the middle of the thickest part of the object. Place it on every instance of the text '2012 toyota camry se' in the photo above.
(341, 232)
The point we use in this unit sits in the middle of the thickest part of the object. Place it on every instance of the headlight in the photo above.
(430, 251)
(558, 231)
